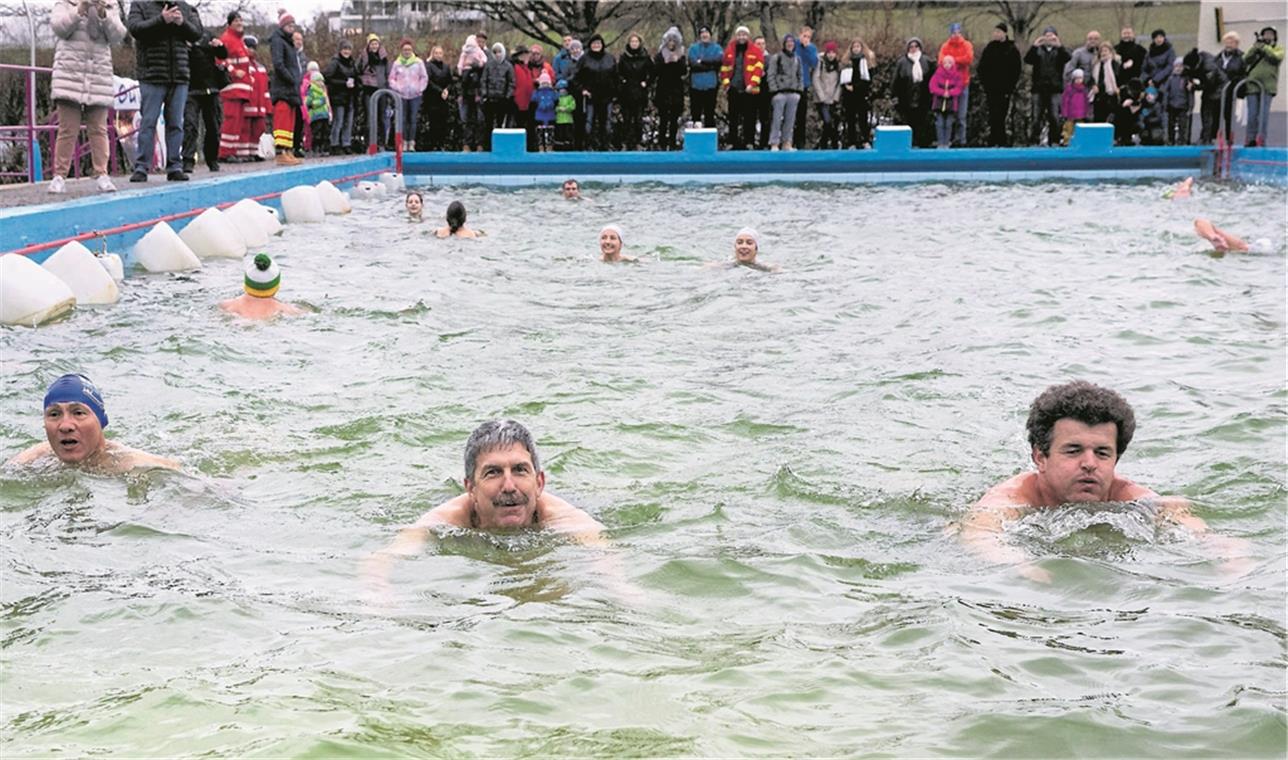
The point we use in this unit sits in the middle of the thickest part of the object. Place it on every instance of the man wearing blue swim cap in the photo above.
(75, 416)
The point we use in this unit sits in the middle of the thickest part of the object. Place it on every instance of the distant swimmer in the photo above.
(74, 420)
(1181, 190)
(571, 190)
(415, 204)
(456, 223)
(1077, 433)
(746, 247)
(1221, 241)
(261, 280)
(610, 245)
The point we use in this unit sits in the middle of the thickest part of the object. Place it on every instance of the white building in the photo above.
(396, 17)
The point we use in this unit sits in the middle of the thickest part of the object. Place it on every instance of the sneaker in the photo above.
(286, 159)
(139, 176)
(57, 185)
(177, 177)
(104, 184)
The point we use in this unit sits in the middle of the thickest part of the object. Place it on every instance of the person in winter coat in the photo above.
(1210, 74)
(999, 71)
(1103, 85)
(964, 54)
(946, 86)
(1158, 62)
(525, 84)
(162, 32)
(912, 92)
(236, 93)
(670, 72)
(1083, 57)
(565, 116)
(438, 95)
(85, 32)
(302, 139)
(470, 69)
(576, 52)
(207, 75)
(705, 57)
(808, 55)
(544, 102)
(634, 72)
(260, 104)
(497, 91)
(1073, 104)
(827, 97)
(285, 89)
(785, 80)
(1130, 54)
(341, 76)
(373, 74)
(741, 71)
(1047, 57)
(856, 94)
(1262, 63)
(563, 62)
(1178, 103)
(408, 79)
(596, 78)
(318, 105)
(1151, 119)
(1131, 98)
(535, 65)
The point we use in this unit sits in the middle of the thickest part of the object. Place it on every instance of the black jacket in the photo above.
(1048, 68)
(913, 96)
(207, 74)
(597, 73)
(440, 79)
(498, 79)
(337, 74)
(1130, 51)
(161, 49)
(634, 69)
(286, 74)
(669, 79)
(1000, 67)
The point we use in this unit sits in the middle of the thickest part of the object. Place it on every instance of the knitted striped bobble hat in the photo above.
(263, 278)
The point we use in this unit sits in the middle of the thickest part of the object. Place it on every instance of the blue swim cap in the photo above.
(79, 389)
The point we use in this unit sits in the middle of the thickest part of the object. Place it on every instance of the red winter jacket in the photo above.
(963, 54)
(525, 82)
(753, 61)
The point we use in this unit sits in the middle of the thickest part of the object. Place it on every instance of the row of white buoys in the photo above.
(333, 201)
(84, 273)
(162, 250)
(31, 294)
(213, 236)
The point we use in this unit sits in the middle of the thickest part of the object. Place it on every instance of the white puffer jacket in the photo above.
(83, 53)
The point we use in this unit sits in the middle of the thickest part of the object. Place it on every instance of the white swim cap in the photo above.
(1262, 245)
(614, 228)
(749, 232)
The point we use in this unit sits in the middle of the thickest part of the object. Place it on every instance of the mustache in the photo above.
(513, 499)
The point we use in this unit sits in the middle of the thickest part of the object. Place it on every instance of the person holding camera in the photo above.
(162, 31)
(1262, 64)
(209, 76)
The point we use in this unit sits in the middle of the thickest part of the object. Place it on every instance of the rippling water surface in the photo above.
(778, 458)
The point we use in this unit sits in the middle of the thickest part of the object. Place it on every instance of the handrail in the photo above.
(1225, 92)
(1224, 126)
(373, 125)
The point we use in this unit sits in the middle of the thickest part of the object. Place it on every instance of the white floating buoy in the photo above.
(302, 204)
(249, 219)
(112, 263)
(333, 201)
(364, 190)
(30, 294)
(212, 236)
(161, 250)
(393, 181)
(272, 220)
(89, 281)
(378, 190)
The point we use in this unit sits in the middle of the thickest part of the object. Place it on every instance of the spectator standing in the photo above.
(912, 91)
(497, 91)
(1047, 57)
(341, 76)
(563, 62)
(808, 55)
(302, 137)
(438, 95)
(764, 103)
(236, 94)
(1103, 87)
(705, 57)
(565, 116)
(537, 65)
(1230, 69)
(1130, 54)
(741, 72)
(670, 72)
(1178, 100)
(318, 105)
(1262, 62)
(162, 32)
(963, 52)
(575, 54)
(596, 78)
(634, 71)
(785, 81)
(260, 104)
(373, 73)
(1151, 118)
(285, 89)
(408, 79)
(999, 71)
(1083, 57)
(827, 97)
(203, 113)
(1158, 62)
(856, 94)
(946, 86)
(525, 84)
(470, 68)
(82, 89)
(1073, 104)
(544, 101)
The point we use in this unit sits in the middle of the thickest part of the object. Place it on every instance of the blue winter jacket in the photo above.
(704, 65)
(545, 99)
(809, 62)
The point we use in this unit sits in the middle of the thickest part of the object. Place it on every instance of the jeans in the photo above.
(802, 117)
(945, 122)
(202, 111)
(342, 126)
(783, 122)
(828, 116)
(471, 123)
(1258, 117)
(959, 129)
(410, 114)
(155, 97)
(1046, 110)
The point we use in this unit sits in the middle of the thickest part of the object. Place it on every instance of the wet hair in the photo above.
(498, 434)
(1082, 401)
(455, 216)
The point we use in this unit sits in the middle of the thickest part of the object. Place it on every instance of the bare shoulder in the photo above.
(561, 517)
(133, 459)
(37, 452)
(453, 513)
(1018, 491)
(1125, 490)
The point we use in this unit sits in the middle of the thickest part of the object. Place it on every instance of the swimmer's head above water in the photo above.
(455, 216)
(571, 190)
(74, 417)
(415, 204)
(262, 276)
(746, 244)
(503, 476)
(610, 243)
(1077, 433)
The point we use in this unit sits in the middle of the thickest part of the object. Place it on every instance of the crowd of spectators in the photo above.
(235, 89)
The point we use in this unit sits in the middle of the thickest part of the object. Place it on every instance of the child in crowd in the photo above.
(318, 105)
(565, 108)
(1073, 104)
(1178, 99)
(545, 100)
(1151, 118)
(945, 87)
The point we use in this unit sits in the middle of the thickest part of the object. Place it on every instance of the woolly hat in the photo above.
(372, 36)
(251, 41)
(562, 84)
(1049, 30)
(346, 45)
(742, 29)
(704, 28)
(1002, 25)
(316, 76)
(955, 28)
(1078, 74)
(283, 18)
(498, 50)
(1158, 33)
(263, 278)
(79, 389)
(544, 79)
(312, 67)
(829, 46)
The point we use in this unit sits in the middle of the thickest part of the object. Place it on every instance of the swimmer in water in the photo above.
(1181, 190)
(746, 246)
(74, 420)
(415, 204)
(610, 245)
(261, 280)
(456, 223)
(571, 190)
(1077, 433)
(1222, 241)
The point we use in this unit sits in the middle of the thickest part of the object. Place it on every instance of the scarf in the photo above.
(917, 73)
(408, 60)
(860, 64)
(1105, 77)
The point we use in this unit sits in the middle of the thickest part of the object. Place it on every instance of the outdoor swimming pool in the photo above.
(777, 458)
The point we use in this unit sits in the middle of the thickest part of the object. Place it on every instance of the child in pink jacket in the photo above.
(946, 85)
(1074, 103)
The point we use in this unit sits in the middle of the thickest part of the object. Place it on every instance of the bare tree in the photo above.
(1024, 16)
(549, 20)
(814, 15)
(767, 10)
(721, 16)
